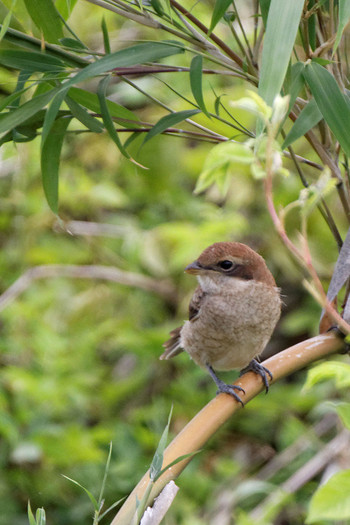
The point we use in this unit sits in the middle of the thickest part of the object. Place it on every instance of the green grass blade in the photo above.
(50, 161)
(282, 26)
(7, 20)
(157, 462)
(46, 17)
(196, 75)
(30, 61)
(138, 54)
(83, 116)
(30, 515)
(169, 121)
(264, 7)
(308, 118)
(106, 42)
(91, 102)
(90, 495)
(51, 114)
(19, 116)
(108, 462)
(330, 101)
(344, 18)
(219, 10)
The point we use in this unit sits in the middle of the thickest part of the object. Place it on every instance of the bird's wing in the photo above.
(173, 345)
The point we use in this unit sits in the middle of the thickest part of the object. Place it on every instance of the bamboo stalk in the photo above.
(197, 432)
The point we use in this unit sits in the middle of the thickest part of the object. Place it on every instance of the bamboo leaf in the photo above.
(30, 61)
(12, 119)
(83, 116)
(196, 75)
(157, 462)
(169, 121)
(344, 18)
(330, 101)
(219, 10)
(308, 118)
(7, 20)
(50, 161)
(264, 7)
(90, 495)
(281, 30)
(91, 102)
(51, 114)
(138, 54)
(46, 17)
(332, 500)
(30, 515)
(106, 42)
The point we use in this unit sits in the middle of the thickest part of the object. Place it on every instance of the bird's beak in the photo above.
(194, 268)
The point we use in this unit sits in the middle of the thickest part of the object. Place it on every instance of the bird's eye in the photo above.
(226, 265)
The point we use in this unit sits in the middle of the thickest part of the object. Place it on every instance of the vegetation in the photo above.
(112, 114)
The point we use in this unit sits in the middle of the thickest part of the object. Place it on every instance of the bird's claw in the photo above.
(259, 369)
(230, 389)
(336, 330)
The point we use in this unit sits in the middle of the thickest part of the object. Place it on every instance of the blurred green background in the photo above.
(79, 357)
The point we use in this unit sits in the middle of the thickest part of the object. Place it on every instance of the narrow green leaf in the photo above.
(157, 6)
(83, 116)
(219, 10)
(169, 121)
(332, 500)
(106, 116)
(264, 7)
(40, 517)
(308, 118)
(13, 118)
(30, 61)
(91, 496)
(108, 462)
(344, 18)
(73, 43)
(91, 102)
(51, 114)
(138, 54)
(46, 17)
(157, 462)
(7, 20)
(281, 30)
(106, 42)
(50, 161)
(65, 7)
(177, 460)
(331, 102)
(196, 75)
(312, 27)
(30, 515)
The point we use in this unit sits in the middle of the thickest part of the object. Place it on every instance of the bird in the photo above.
(232, 314)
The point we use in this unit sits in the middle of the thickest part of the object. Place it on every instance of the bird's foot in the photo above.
(224, 388)
(262, 371)
(336, 330)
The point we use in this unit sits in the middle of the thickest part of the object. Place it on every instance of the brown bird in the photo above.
(232, 313)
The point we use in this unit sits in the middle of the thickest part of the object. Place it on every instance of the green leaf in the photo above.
(7, 20)
(46, 17)
(65, 7)
(106, 42)
(332, 500)
(30, 61)
(40, 517)
(51, 114)
(344, 18)
(219, 10)
(339, 372)
(12, 119)
(30, 515)
(331, 102)
(91, 496)
(282, 26)
(157, 462)
(138, 54)
(308, 118)
(106, 117)
(73, 43)
(196, 75)
(50, 161)
(169, 121)
(83, 116)
(264, 7)
(91, 102)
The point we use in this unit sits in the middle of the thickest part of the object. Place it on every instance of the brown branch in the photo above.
(221, 408)
(161, 287)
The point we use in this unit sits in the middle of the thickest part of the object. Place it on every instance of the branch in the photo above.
(221, 408)
(161, 287)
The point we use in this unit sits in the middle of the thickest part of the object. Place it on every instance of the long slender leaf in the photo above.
(168, 121)
(46, 17)
(30, 61)
(83, 116)
(91, 102)
(106, 117)
(106, 42)
(264, 7)
(219, 10)
(138, 54)
(18, 116)
(308, 118)
(7, 20)
(51, 114)
(344, 18)
(90, 495)
(331, 102)
(196, 75)
(281, 30)
(50, 161)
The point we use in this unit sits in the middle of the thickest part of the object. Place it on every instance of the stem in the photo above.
(204, 425)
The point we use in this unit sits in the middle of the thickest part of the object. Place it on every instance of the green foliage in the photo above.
(332, 500)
